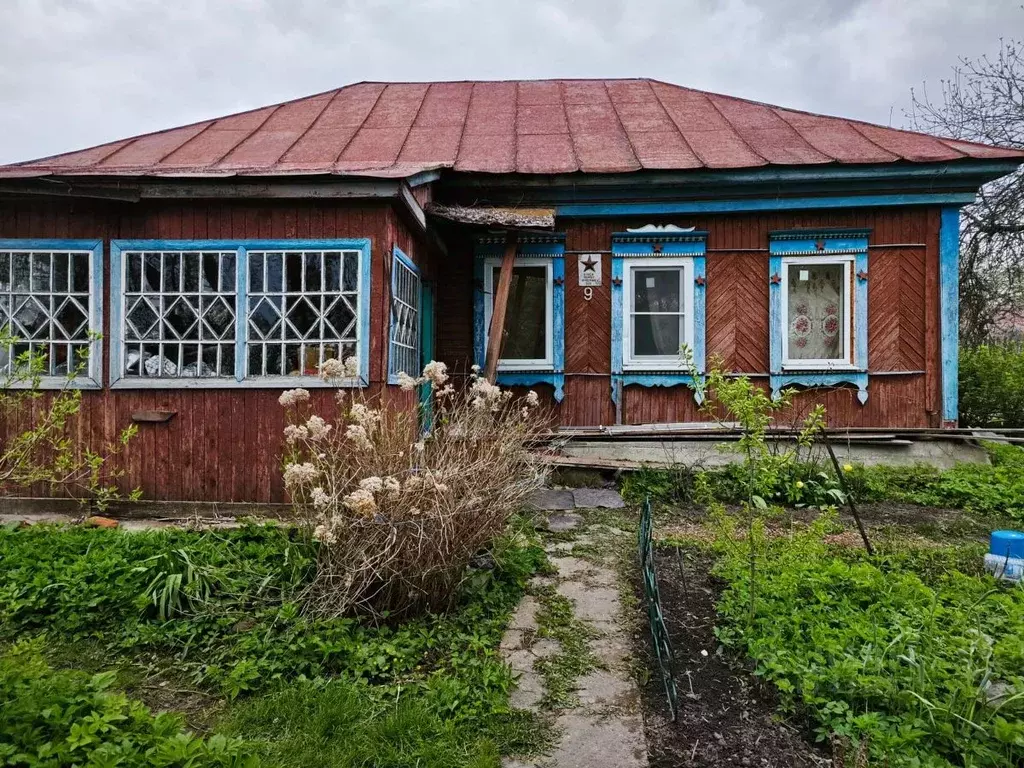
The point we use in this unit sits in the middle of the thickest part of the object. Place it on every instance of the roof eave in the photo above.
(955, 175)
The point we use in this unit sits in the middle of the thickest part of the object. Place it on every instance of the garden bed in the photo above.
(727, 717)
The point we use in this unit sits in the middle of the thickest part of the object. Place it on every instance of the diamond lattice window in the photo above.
(45, 304)
(405, 320)
(179, 314)
(303, 309)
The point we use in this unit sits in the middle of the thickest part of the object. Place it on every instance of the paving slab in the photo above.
(592, 603)
(525, 617)
(549, 499)
(605, 690)
(598, 498)
(567, 521)
(588, 742)
(571, 567)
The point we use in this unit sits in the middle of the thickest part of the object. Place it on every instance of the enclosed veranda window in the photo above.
(527, 335)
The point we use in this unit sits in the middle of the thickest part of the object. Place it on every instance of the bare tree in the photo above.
(983, 100)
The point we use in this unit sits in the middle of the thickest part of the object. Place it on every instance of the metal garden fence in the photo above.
(655, 617)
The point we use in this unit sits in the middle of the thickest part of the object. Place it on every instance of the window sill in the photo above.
(819, 368)
(56, 383)
(821, 378)
(276, 382)
(652, 379)
(526, 378)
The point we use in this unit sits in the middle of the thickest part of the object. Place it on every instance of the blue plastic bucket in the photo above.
(1007, 544)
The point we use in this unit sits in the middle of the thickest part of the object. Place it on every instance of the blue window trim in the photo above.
(94, 377)
(759, 204)
(949, 303)
(397, 255)
(626, 245)
(530, 246)
(242, 247)
(820, 242)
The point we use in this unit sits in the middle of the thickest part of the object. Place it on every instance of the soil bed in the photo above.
(727, 717)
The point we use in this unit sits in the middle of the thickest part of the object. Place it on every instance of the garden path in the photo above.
(599, 724)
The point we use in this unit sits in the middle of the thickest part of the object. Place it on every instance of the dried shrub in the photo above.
(400, 514)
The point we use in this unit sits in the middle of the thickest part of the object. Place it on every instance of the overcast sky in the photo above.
(74, 73)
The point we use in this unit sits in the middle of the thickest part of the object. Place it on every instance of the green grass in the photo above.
(561, 671)
(220, 613)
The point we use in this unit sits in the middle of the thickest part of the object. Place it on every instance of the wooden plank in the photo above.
(495, 334)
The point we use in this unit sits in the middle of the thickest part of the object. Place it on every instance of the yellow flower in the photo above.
(799, 484)
(847, 467)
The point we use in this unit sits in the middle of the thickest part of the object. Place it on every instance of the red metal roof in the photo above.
(541, 126)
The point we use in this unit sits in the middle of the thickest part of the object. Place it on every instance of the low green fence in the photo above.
(659, 634)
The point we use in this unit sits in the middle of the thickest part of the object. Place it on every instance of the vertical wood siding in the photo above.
(222, 445)
(903, 321)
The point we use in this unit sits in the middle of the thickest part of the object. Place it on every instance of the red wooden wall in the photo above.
(222, 444)
(903, 322)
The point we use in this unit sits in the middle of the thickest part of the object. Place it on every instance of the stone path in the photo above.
(577, 498)
(604, 729)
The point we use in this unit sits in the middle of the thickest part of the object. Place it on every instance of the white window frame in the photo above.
(506, 364)
(92, 375)
(686, 294)
(826, 364)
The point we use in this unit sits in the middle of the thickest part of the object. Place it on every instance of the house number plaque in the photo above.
(589, 273)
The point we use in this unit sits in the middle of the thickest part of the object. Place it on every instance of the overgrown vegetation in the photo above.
(992, 385)
(400, 513)
(40, 444)
(220, 611)
(56, 718)
(905, 652)
(556, 620)
(988, 491)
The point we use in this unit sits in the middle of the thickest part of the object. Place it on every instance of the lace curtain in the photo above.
(816, 312)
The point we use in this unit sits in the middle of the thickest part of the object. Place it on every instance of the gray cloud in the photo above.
(74, 73)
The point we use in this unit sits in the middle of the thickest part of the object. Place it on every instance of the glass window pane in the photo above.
(656, 290)
(656, 335)
(816, 301)
(45, 303)
(300, 301)
(185, 300)
(526, 329)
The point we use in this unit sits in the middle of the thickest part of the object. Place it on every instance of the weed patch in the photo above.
(556, 620)
(907, 654)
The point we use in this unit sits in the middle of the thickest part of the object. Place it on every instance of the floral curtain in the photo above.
(816, 312)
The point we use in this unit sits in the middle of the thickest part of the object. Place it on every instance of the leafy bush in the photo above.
(992, 386)
(400, 514)
(40, 435)
(929, 674)
(71, 718)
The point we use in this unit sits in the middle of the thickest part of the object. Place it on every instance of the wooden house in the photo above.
(570, 236)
